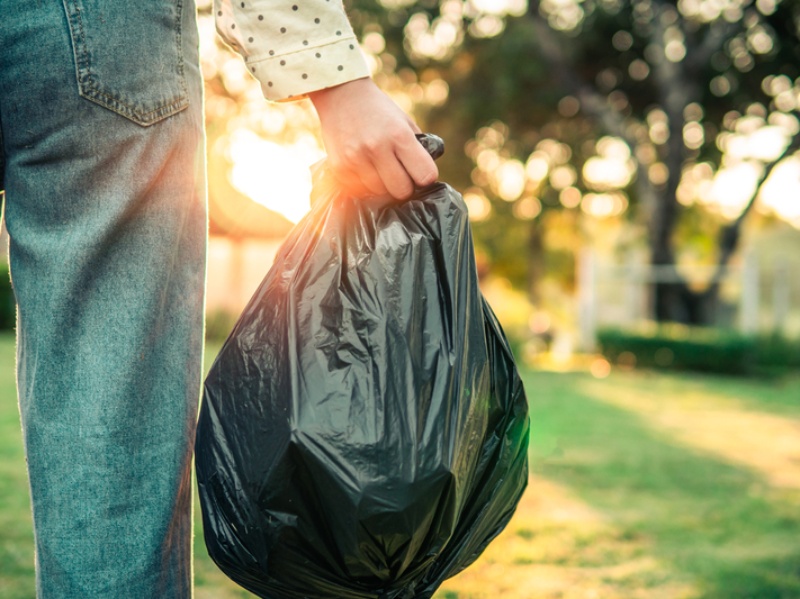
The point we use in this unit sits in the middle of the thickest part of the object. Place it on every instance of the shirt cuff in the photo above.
(293, 75)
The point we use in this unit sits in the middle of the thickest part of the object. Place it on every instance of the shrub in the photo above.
(679, 347)
(8, 309)
(776, 352)
(701, 349)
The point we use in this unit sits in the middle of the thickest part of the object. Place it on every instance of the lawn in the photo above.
(643, 485)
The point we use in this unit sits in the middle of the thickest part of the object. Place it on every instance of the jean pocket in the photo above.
(128, 56)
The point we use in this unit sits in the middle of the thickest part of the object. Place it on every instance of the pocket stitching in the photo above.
(113, 103)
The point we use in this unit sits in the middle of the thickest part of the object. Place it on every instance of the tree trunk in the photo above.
(675, 301)
(535, 261)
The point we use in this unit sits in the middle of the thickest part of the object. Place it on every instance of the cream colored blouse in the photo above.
(292, 47)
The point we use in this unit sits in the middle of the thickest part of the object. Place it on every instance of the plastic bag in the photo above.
(364, 429)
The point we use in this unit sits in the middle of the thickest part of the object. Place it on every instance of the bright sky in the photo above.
(735, 183)
(274, 175)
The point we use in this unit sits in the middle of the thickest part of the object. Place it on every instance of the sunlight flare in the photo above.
(275, 175)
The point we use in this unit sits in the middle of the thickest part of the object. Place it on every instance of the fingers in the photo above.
(385, 170)
(356, 174)
(417, 163)
(351, 184)
(370, 179)
(399, 184)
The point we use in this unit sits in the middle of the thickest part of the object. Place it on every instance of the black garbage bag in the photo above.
(364, 430)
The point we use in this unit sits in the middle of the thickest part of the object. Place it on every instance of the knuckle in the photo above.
(398, 132)
(349, 155)
(372, 145)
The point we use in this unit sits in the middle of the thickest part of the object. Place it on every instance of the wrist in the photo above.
(329, 95)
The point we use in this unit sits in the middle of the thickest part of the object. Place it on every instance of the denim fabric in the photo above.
(101, 120)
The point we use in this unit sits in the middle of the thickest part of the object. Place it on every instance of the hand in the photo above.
(370, 141)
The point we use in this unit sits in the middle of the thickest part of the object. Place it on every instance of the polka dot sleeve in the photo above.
(292, 47)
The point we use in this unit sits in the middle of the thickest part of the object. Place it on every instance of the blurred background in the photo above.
(625, 163)
(632, 174)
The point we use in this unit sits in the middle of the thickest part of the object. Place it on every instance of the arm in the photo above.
(306, 48)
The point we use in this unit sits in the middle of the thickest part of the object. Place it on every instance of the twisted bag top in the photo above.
(364, 429)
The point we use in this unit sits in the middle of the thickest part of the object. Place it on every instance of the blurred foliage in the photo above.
(237, 117)
(594, 105)
(626, 124)
(777, 353)
(700, 349)
(680, 348)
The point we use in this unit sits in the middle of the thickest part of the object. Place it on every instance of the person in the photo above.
(103, 171)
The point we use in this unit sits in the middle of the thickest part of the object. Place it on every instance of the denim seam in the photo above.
(89, 90)
(179, 40)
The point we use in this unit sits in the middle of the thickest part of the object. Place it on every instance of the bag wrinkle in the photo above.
(368, 397)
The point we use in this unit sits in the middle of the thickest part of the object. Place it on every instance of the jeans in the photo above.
(103, 168)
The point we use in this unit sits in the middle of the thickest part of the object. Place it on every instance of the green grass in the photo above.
(715, 523)
(643, 485)
(16, 538)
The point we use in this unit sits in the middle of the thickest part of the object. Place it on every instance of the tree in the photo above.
(690, 66)
(678, 95)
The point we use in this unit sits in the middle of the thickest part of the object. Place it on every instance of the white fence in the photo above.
(755, 297)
